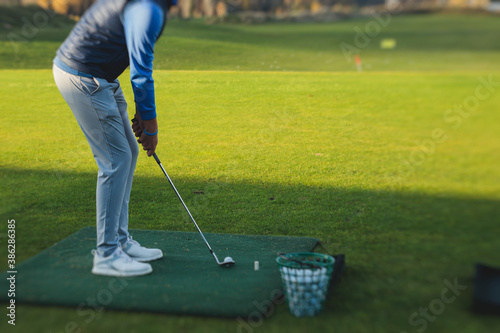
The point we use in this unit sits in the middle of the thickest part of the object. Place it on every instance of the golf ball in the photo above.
(256, 265)
(226, 259)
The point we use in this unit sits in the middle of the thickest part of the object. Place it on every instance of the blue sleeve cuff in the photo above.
(147, 115)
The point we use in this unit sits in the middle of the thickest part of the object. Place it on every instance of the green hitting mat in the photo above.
(187, 280)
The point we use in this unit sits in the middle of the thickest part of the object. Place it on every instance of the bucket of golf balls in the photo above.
(305, 277)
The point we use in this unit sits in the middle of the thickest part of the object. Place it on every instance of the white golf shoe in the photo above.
(119, 264)
(140, 253)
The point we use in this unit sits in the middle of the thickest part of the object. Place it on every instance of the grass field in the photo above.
(397, 167)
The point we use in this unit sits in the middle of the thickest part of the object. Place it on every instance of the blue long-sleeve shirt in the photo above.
(112, 35)
(143, 22)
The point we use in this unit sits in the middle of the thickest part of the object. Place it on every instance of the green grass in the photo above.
(326, 143)
(424, 43)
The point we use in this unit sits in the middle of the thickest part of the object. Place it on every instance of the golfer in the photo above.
(110, 36)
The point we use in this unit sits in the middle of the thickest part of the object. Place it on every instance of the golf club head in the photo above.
(227, 263)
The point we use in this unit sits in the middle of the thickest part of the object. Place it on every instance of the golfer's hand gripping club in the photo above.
(148, 141)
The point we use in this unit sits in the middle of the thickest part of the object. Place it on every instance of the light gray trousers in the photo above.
(101, 111)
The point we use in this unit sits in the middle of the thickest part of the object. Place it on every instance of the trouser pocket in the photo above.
(90, 85)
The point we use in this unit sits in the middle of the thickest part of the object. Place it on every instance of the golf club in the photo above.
(228, 261)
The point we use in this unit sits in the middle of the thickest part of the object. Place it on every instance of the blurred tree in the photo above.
(208, 8)
(185, 8)
(220, 8)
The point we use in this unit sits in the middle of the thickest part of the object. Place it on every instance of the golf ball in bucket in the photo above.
(305, 289)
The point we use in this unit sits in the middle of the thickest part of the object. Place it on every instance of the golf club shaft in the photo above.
(185, 207)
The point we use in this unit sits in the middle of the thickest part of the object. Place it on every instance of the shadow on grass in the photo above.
(65, 201)
(400, 246)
